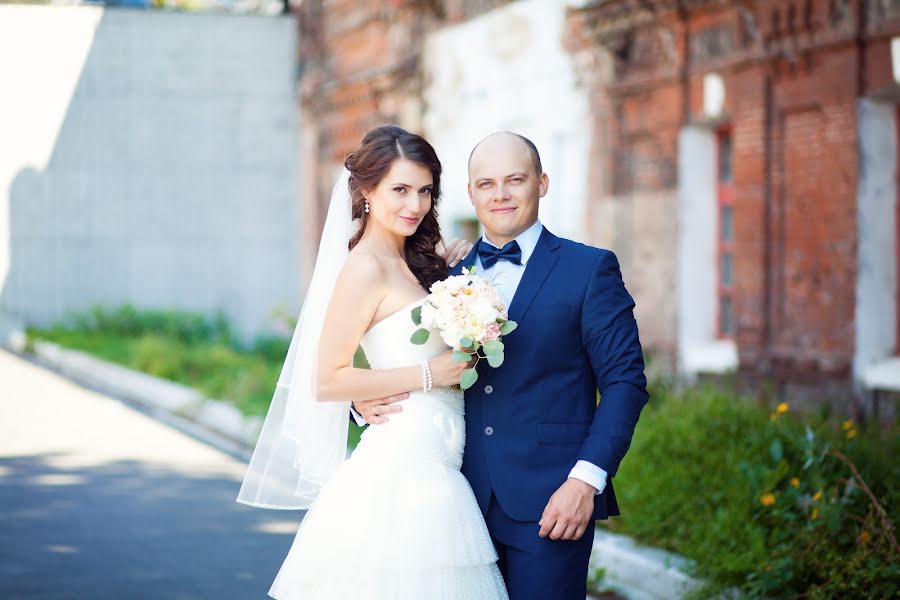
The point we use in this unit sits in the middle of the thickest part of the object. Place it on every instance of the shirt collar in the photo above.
(527, 240)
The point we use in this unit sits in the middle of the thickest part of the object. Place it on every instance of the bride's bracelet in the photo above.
(427, 381)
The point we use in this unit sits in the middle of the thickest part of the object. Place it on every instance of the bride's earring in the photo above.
(367, 207)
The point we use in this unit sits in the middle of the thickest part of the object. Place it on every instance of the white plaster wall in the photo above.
(698, 348)
(876, 284)
(508, 70)
(147, 157)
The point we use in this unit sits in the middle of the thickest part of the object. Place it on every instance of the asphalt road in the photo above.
(98, 500)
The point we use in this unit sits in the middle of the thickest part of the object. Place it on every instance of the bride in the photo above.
(397, 519)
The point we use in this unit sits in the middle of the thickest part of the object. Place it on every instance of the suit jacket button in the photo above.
(488, 430)
(488, 389)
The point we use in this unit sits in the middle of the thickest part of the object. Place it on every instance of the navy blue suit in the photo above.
(529, 421)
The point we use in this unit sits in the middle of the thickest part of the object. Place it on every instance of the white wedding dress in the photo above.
(397, 520)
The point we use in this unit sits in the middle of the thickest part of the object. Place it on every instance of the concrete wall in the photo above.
(147, 157)
(508, 70)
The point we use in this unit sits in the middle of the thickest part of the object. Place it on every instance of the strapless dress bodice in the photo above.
(431, 426)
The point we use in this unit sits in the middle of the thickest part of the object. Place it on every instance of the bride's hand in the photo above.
(445, 372)
(455, 251)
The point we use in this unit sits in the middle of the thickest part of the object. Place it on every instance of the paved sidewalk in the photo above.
(100, 501)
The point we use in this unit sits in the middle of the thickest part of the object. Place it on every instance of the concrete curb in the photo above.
(640, 572)
(215, 421)
(634, 571)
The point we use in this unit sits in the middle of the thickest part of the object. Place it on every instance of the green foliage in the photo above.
(762, 501)
(468, 379)
(460, 356)
(493, 347)
(420, 336)
(180, 346)
(508, 327)
(495, 360)
(127, 321)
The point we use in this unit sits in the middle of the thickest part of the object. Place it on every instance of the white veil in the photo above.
(303, 440)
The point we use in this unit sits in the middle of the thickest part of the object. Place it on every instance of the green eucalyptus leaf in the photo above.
(508, 327)
(493, 347)
(419, 337)
(466, 342)
(469, 377)
(460, 356)
(495, 360)
(417, 315)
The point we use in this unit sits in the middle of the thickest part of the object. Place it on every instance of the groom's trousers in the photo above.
(536, 568)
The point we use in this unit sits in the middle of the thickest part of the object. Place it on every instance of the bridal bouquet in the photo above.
(467, 312)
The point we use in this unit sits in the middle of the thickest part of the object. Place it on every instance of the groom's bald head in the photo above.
(505, 141)
(506, 184)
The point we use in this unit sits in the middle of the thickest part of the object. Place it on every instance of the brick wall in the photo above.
(793, 73)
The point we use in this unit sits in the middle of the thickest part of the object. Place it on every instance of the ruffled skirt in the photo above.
(394, 524)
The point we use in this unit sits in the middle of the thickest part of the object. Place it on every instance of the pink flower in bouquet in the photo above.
(492, 332)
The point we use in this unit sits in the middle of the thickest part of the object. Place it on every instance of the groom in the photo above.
(540, 451)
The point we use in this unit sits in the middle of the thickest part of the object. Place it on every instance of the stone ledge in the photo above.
(715, 356)
(159, 395)
(640, 572)
(883, 376)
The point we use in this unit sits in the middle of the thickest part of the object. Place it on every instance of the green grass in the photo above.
(183, 347)
(697, 481)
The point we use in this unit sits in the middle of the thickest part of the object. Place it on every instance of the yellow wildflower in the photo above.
(815, 513)
(773, 416)
(795, 482)
(851, 434)
(782, 408)
(767, 499)
(817, 496)
(864, 537)
(848, 424)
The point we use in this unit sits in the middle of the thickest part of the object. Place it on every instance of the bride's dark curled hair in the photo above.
(368, 165)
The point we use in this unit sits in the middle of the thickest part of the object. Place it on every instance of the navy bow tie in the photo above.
(489, 254)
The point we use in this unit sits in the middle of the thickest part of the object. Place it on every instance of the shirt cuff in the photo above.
(591, 474)
(358, 418)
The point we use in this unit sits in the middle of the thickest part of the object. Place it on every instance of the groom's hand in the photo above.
(569, 511)
(375, 411)
(454, 251)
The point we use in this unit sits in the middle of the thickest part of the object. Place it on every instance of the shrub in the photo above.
(180, 346)
(762, 501)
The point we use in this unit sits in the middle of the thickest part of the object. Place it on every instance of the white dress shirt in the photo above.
(507, 276)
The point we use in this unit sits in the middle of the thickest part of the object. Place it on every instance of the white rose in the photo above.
(483, 310)
(451, 336)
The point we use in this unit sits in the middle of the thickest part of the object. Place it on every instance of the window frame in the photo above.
(724, 247)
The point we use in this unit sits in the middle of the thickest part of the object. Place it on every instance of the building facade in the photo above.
(739, 156)
(766, 132)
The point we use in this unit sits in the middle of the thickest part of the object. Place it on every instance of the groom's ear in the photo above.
(543, 185)
(469, 190)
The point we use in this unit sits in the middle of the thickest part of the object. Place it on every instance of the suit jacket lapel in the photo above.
(468, 261)
(539, 266)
